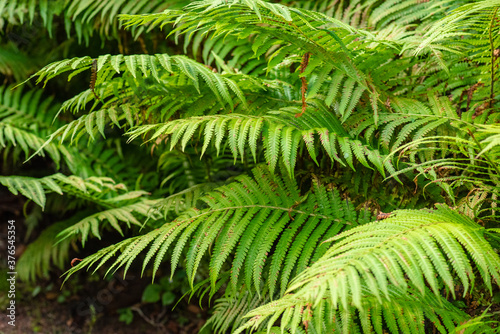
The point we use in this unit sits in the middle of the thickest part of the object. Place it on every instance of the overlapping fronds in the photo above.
(25, 120)
(478, 17)
(155, 67)
(42, 254)
(229, 311)
(324, 37)
(470, 160)
(118, 206)
(369, 13)
(182, 200)
(85, 18)
(186, 176)
(411, 255)
(325, 90)
(410, 121)
(473, 28)
(405, 312)
(238, 217)
(282, 134)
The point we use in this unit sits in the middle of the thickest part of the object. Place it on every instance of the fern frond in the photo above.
(94, 189)
(42, 254)
(389, 261)
(32, 188)
(283, 135)
(124, 214)
(244, 213)
(25, 120)
(229, 311)
(155, 66)
(405, 312)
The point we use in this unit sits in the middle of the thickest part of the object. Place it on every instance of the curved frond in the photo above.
(406, 253)
(244, 213)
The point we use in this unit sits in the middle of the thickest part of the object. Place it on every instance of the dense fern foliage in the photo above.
(314, 167)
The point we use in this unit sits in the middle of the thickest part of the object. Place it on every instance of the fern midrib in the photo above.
(289, 210)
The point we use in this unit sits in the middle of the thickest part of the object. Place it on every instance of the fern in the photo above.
(299, 314)
(269, 203)
(41, 254)
(148, 66)
(383, 261)
(334, 97)
(93, 222)
(97, 190)
(84, 18)
(22, 126)
(283, 135)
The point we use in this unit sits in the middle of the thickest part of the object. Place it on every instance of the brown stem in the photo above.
(303, 88)
(492, 47)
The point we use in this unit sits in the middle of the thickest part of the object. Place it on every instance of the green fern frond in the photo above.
(229, 311)
(94, 189)
(33, 188)
(283, 135)
(25, 120)
(244, 213)
(326, 38)
(446, 229)
(468, 15)
(155, 66)
(389, 260)
(405, 312)
(123, 214)
(42, 253)
(28, 142)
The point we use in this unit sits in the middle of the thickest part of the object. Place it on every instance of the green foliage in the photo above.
(265, 208)
(254, 155)
(41, 254)
(84, 17)
(409, 254)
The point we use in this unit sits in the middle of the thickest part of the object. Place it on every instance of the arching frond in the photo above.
(95, 189)
(283, 136)
(148, 66)
(399, 257)
(41, 254)
(405, 312)
(244, 213)
(123, 213)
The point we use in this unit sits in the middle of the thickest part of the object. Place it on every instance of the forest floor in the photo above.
(86, 303)
(46, 314)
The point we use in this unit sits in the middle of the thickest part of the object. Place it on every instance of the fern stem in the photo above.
(289, 210)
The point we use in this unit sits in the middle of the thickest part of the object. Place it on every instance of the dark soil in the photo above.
(45, 314)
